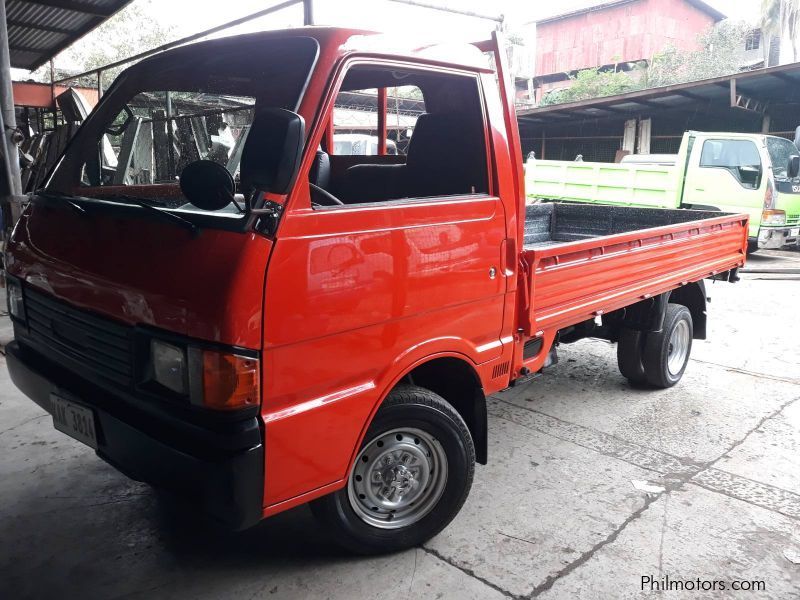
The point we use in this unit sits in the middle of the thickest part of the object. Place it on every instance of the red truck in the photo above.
(231, 310)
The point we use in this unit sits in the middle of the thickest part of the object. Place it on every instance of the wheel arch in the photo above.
(454, 377)
(693, 297)
(648, 315)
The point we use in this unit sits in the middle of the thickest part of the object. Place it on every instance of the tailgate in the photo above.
(575, 281)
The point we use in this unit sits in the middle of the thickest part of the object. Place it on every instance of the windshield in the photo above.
(194, 103)
(780, 151)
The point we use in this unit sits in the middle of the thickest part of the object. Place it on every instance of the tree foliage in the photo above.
(779, 17)
(132, 30)
(592, 83)
(719, 54)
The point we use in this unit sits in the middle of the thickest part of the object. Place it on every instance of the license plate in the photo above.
(794, 232)
(75, 420)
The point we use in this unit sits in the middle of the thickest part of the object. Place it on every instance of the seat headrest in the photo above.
(320, 173)
(447, 154)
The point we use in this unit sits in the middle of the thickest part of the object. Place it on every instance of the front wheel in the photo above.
(410, 477)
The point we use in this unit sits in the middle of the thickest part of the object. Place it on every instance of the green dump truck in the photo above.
(732, 172)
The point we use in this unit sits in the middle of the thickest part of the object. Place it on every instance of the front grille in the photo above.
(792, 219)
(96, 344)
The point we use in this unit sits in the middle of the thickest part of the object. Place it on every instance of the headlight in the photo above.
(209, 378)
(169, 366)
(771, 216)
(16, 302)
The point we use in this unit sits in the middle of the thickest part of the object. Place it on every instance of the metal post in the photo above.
(308, 12)
(170, 136)
(329, 130)
(13, 188)
(382, 129)
(52, 83)
(99, 85)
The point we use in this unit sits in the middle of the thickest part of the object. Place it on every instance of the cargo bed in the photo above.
(586, 260)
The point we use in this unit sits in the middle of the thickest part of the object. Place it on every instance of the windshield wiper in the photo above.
(64, 198)
(163, 214)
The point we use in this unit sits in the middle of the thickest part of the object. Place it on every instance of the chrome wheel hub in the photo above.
(398, 478)
(679, 341)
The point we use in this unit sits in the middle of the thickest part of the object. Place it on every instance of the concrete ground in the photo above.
(555, 514)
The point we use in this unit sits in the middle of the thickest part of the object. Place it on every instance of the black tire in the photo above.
(412, 408)
(660, 347)
(752, 246)
(630, 347)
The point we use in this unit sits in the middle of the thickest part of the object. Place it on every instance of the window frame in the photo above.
(323, 126)
(752, 40)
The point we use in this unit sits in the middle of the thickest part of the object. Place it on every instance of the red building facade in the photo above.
(623, 32)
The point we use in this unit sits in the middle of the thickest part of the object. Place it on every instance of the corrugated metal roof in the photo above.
(40, 29)
(698, 4)
(773, 85)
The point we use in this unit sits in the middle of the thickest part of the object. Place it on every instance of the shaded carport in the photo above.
(653, 120)
(31, 33)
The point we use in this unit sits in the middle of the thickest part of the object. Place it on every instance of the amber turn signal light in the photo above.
(230, 381)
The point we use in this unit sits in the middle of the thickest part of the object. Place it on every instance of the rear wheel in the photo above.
(752, 246)
(410, 478)
(630, 347)
(666, 353)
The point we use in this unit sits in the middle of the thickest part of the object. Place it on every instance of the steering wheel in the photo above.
(318, 194)
(117, 130)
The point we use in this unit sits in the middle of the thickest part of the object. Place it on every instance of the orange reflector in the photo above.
(230, 381)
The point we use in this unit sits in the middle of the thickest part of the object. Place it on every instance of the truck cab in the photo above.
(739, 172)
(749, 173)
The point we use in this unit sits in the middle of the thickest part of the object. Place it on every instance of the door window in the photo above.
(739, 157)
(435, 136)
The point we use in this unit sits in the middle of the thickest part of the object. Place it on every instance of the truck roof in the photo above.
(343, 41)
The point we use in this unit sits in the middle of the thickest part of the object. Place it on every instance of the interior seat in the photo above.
(446, 156)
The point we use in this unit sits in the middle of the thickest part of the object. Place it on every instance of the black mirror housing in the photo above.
(207, 184)
(272, 151)
(793, 170)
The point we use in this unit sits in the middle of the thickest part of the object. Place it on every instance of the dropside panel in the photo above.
(575, 281)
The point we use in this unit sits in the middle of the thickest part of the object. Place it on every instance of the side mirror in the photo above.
(793, 170)
(207, 184)
(272, 151)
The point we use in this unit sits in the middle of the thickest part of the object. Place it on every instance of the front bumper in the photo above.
(774, 238)
(226, 481)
